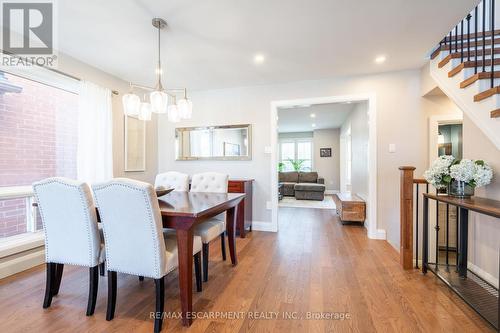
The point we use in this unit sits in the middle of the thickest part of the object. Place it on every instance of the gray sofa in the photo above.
(302, 185)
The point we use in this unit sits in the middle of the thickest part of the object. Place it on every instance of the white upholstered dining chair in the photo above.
(71, 233)
(173, 179)
(134, 238)
(213, 182)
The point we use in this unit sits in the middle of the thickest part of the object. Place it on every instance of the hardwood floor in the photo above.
(314, 264)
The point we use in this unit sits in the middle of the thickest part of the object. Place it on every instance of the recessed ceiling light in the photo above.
(312, 115)
(348, 102)
(380, 59)
(313, 125)
(259, 59)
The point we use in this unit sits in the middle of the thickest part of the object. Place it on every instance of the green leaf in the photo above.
(480, 162)
(447, 179)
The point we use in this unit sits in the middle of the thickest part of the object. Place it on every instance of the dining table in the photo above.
(182, 211)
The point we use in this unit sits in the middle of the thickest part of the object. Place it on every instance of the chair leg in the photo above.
(110, 312)
(57, 278)
(197, 271)
(141, 278)
(205, 262)
(223, 246)
(93, 286)
(49, 282)
(160, 303)
(102, 268)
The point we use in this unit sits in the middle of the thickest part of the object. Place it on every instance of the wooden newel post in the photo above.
(406, 207)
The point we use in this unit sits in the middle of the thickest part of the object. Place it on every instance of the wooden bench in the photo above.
(350, 207)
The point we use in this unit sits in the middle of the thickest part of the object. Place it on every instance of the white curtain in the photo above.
(95, 134)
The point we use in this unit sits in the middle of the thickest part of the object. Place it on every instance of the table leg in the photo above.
(240, 218)
(231, 233)
(463, 236)
(185, 248)
(425, 236)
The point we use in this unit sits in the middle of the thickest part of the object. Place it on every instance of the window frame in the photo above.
(32, 238)
(296, 142)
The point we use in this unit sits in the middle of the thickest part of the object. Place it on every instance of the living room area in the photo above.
(323, 156)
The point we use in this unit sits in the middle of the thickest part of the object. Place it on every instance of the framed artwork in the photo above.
(135, 144)
(325, 152)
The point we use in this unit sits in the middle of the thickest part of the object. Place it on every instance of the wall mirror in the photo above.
(231, 142)
(135, 144)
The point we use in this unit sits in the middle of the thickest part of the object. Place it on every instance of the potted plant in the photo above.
(296, 164)
(460, 177)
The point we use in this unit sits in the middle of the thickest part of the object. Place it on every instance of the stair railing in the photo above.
(463, 48)
(410, 217)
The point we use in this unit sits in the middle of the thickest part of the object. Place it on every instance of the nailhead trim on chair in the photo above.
(109, 260)
(61, 182)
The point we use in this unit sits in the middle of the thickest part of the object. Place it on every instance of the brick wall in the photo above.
(38, 139)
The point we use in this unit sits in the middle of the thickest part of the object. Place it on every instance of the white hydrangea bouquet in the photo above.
(461, 177)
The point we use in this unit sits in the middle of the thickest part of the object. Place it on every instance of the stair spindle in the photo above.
(462, 41)
(468, 36)
(492, 23)
(475, 41)
(456, 38)
(484, 36)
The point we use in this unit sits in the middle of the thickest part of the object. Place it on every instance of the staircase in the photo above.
(466, 66)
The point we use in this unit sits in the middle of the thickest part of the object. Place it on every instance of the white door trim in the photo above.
(371, 222)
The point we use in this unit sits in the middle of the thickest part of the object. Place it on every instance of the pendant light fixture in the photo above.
(158, 96)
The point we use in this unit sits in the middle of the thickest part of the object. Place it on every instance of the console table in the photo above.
(244, 213)
(475, 291)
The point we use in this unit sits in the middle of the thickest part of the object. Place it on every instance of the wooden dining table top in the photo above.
(195, 204)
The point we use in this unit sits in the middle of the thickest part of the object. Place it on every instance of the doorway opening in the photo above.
(312, 138)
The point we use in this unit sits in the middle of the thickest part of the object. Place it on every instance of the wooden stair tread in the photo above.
(487, 93)
(471, 64)
(479, 76)
(456, 55)
(495, 113)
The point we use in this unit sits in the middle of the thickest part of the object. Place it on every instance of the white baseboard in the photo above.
(22, 262)
(380, 234)
(263, 226)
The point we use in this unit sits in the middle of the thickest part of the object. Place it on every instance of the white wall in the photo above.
(328, 167)
(397, 102)
(358, 122)
(484, 231)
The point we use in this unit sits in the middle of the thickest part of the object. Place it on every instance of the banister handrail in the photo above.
(419, 181)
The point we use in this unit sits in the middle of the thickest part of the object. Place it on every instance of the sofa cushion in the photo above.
(305, 195)
(288, 189)
(310, 187)
(289, 177)
(308, 177)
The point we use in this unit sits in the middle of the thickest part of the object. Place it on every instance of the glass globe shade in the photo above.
(159, 101)
(131, 104)
(173, 114)
(145, 113)
(185, 108)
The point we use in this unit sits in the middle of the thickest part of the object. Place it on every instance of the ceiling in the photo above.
(298, 119)
(212, 44)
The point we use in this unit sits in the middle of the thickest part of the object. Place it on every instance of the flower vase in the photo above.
(460, 189)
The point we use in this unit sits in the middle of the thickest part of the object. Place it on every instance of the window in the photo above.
(38, 139)
(298, 152)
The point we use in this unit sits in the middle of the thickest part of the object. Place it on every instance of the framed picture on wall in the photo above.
(325, 152)
(135, 144)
